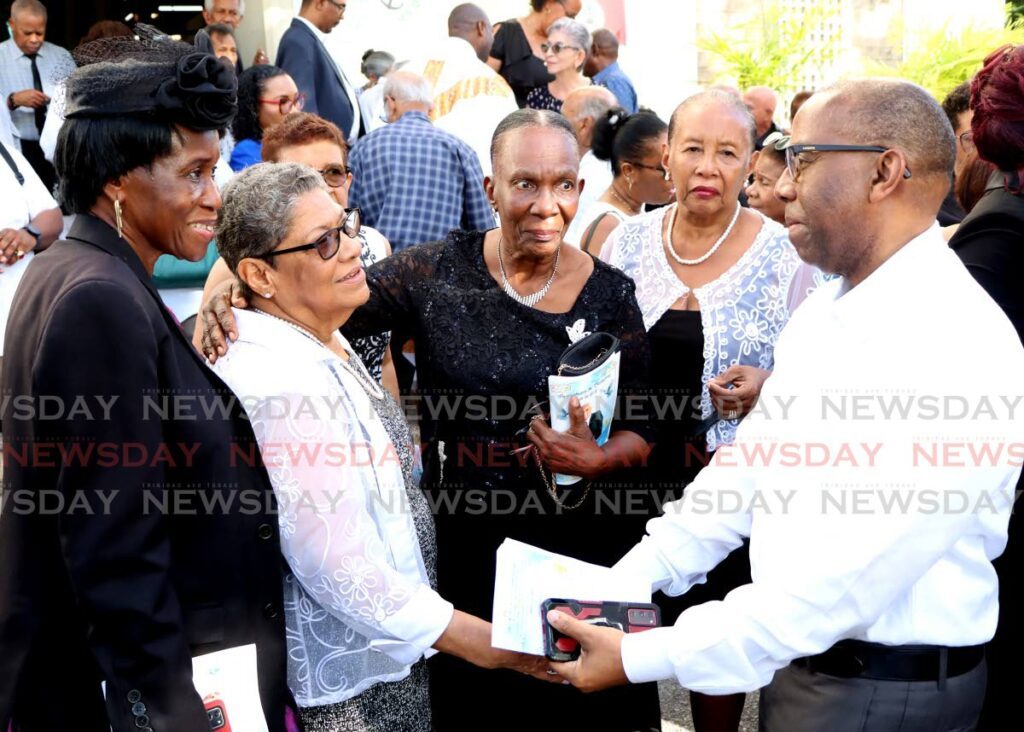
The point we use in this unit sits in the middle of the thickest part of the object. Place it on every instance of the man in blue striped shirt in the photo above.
(414, 182)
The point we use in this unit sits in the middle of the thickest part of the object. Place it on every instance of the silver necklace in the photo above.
(361, 374)
(532, 299)
(714, 247)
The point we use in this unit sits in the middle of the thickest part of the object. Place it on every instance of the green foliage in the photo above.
(943, 60)
(772, 49)
(1014, 13)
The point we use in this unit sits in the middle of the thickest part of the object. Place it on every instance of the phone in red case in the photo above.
(629, 617)
(217, 713)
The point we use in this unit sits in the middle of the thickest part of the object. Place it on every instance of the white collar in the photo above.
(316, 31)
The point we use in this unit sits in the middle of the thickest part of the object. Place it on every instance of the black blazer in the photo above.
(306, 60)
(990, 242)
(131, 576)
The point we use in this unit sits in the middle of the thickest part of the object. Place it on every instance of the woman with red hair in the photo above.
(990, 241)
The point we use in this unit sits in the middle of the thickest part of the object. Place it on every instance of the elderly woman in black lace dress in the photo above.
(490, 313)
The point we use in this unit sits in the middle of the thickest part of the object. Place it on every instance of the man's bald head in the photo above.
(604, 51)
(583, 107)
(761, 101)
(897, 114)
(470, 23)
(29, 7)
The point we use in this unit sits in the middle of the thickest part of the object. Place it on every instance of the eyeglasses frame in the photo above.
(793, 150)
(298, 102)
(312, 245)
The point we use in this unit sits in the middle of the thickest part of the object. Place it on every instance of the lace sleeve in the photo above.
(806, 280)
(395, 285)
(329, 535)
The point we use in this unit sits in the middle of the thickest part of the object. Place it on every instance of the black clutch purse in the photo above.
(587, 354)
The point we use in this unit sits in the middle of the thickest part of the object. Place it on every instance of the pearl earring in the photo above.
(266, 295)
(668, 176)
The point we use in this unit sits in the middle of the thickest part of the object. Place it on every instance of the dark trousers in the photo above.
(34, 154)
(800, 700)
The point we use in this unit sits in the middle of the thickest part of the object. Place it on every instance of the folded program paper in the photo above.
(527, 576)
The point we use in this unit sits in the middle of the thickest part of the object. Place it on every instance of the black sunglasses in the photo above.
(794, 165)
(330, 241)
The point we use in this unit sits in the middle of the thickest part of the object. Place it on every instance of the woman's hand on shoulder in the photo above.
(216, 323)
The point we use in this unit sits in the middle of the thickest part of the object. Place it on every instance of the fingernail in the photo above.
(554, 616)
(220, 350)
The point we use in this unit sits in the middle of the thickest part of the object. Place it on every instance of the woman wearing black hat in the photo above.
(145, 531)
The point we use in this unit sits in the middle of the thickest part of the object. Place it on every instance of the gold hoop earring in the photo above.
(118, 218)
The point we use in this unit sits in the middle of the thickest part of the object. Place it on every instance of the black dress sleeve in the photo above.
(396, 286)
(498, 49)
(627, 324)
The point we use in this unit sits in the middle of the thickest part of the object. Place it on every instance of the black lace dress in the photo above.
(483, 361)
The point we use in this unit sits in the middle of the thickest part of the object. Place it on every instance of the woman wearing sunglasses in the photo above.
(356, 531)
(634, 144)
(313, 141)
(266, 95)
(565, 50)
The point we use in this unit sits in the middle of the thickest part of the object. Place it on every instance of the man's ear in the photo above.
(489, 189)
(890, 171)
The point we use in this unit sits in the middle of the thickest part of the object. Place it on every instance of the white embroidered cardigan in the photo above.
(742, 312)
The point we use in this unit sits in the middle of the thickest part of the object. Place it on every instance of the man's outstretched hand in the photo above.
(600, 663)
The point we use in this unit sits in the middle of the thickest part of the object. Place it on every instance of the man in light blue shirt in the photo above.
(603, 67)
(30, 69)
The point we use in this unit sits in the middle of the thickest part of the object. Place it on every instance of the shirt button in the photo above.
(138, 708)
(142, 721)
(134, 695)
(270, 611)
(265, 532)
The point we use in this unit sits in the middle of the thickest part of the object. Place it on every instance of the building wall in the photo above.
(660, 52)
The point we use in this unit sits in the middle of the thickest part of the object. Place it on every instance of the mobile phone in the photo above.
(629, 617)
(216, 713)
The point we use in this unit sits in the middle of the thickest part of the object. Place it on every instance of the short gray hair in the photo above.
(896, 113)
(377, 63)
(208, 4)
(405, 86)
(726, 98)
(33, 7)
(577, 32)
(258, 209)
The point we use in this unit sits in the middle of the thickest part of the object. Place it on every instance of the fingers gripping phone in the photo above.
(629, 617)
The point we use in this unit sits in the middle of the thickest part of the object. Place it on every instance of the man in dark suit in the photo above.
(304, 56)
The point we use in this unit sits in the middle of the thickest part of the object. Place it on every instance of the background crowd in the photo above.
(447, 230)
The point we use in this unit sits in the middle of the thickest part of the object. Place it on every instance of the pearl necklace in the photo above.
(714, 247)
(532, 299)
(361, 375)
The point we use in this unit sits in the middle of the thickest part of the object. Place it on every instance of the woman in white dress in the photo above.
(634, 144)
(357, 533)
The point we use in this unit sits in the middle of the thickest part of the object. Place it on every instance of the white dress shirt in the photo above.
(21, 204)
(352, 134)
(598, 175)
(470, 98)
(918, 334)
(54, 64)
(359, 608)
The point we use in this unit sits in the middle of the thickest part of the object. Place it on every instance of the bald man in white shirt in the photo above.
(875, 477)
